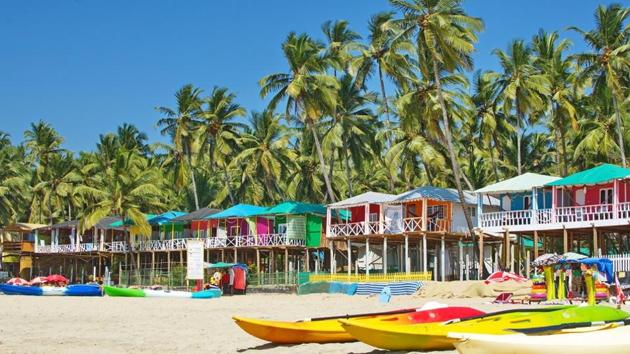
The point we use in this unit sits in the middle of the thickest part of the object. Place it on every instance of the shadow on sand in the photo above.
(264, 346)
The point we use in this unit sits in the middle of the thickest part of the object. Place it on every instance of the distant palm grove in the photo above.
(401, 108)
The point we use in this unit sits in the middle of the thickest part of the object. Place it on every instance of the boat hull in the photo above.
(127, 292)
(609, 341)
(331, 331)
(71, 290)
(435, 336)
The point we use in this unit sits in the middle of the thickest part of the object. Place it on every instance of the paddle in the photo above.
(567, 326)
(394, 312)
(505, 312)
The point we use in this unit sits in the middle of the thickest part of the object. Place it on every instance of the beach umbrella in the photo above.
(572, 257)
(39, 280)
(18, 281)
(56, 278)
(547, 259)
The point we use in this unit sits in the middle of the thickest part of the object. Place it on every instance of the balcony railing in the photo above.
(389, 227)
(578, 215)
(67, 248)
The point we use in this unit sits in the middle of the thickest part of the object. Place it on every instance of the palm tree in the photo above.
(181, 125)
(385, 54)
(265, 159)
(559, 71)
(308, 90)
(522, 86)
(14, 176)
(219, 131)
(128, 188)
(58, 184)
(340, 40)
(445, 36)
(131, 138)
(609, 62)
(351, 129)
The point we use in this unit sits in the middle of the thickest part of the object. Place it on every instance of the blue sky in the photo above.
(88, 66)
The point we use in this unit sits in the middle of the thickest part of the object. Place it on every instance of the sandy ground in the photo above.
(154, 325)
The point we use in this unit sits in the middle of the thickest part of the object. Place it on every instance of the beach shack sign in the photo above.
(194, 254)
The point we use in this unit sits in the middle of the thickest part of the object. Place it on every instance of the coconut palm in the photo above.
(309, 92)
(265, 159)
(180, 124)
(609, 62)
(14, 177)
(58, 185)
(523, 88)
(220, 131)
(339, 41)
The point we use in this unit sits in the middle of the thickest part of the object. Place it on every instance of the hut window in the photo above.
(472, 211)
(436, 212)
(527, 202)
(580, 196)
(373, 217)
(506, 203)
(282, 228)
(605, 196)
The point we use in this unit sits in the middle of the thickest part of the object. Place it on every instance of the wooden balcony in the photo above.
(17, 247)
(407, 225)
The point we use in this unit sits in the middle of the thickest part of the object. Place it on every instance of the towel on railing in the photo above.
(398, 288)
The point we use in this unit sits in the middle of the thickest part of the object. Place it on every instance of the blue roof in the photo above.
(238, 211)
(437, 193)
(165, 217)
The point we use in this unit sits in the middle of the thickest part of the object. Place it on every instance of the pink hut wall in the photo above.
(244, 228)
(358, 212)
(264, 226)
(592, 193)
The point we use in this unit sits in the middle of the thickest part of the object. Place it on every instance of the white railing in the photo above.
(506, 218)
(624, 210)
(584, 213)
(374, 227)
(412, 224)
(621, 262)
(67, 248)
(348, 229)
(211, 242)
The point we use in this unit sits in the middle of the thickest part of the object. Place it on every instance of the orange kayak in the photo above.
(329, 329)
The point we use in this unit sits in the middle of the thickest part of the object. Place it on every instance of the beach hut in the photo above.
(237, 221)
(18, 242)
(193, 225)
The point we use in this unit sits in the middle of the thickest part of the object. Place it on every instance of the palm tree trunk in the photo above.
(347, 167)
(382, 81)
(226, 180)
(563, 144)
(519, 119)
(192, 175)
(451, 152)
(322, 163)
(494, 163)
(619, 131)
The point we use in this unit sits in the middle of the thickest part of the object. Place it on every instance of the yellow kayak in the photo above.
(329, 330)
(434, 336)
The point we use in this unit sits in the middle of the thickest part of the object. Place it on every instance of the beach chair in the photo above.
(504, 298)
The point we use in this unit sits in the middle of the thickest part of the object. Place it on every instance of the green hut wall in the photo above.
(296, 227)
(313, 231)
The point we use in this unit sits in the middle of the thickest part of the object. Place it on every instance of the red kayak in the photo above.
(329, 330)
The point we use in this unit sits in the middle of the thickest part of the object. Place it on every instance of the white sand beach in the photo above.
(157, 325)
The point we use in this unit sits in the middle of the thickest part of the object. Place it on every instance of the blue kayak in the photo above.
(71, 290)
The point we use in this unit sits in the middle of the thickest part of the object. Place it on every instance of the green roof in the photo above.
(128, 221)
(294, 208)
(597, 175)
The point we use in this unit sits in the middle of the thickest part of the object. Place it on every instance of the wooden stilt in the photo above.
(424, 253)
(407, 261)
(595, 243)
(349, 257)
(460, 249)
(443, 259)
(535, 244)
(286, 261)
(385, 254)
(481, 255)
(565, 240)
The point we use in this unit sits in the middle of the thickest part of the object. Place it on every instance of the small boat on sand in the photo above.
(70, 290)
(329, 330)
(129, 292)
(598, 339)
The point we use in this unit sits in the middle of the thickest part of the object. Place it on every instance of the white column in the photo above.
(407, 260)
(424, 253)
(442, 259)
(615, 206)
(535, 206)
(36, 240)
(367, 256)
(424, 214)
(385, 255)
(554, 202)
(366, 225)
(331, 246)
(479, 208)
(381, 219)
(328, 220)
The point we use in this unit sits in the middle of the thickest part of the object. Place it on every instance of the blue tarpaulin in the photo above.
(604, 265)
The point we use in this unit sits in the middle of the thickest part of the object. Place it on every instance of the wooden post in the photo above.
(424, 216)
(168, 263)
(443, 259)
(461, 259)
(152, 265)
(481, 257)
(307, 258)
(384, 254)
(367, 257)
(535, 244)
(527, 270)
(235, 255)
(332, 257)
(565, 240)
(424, 253)
(407, 261)
(467, 267)
(366, 225)
(258, 261)
(349, 256)
(595, 243)
(286, 261)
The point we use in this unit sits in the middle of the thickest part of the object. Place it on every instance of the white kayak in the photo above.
(598, 340)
